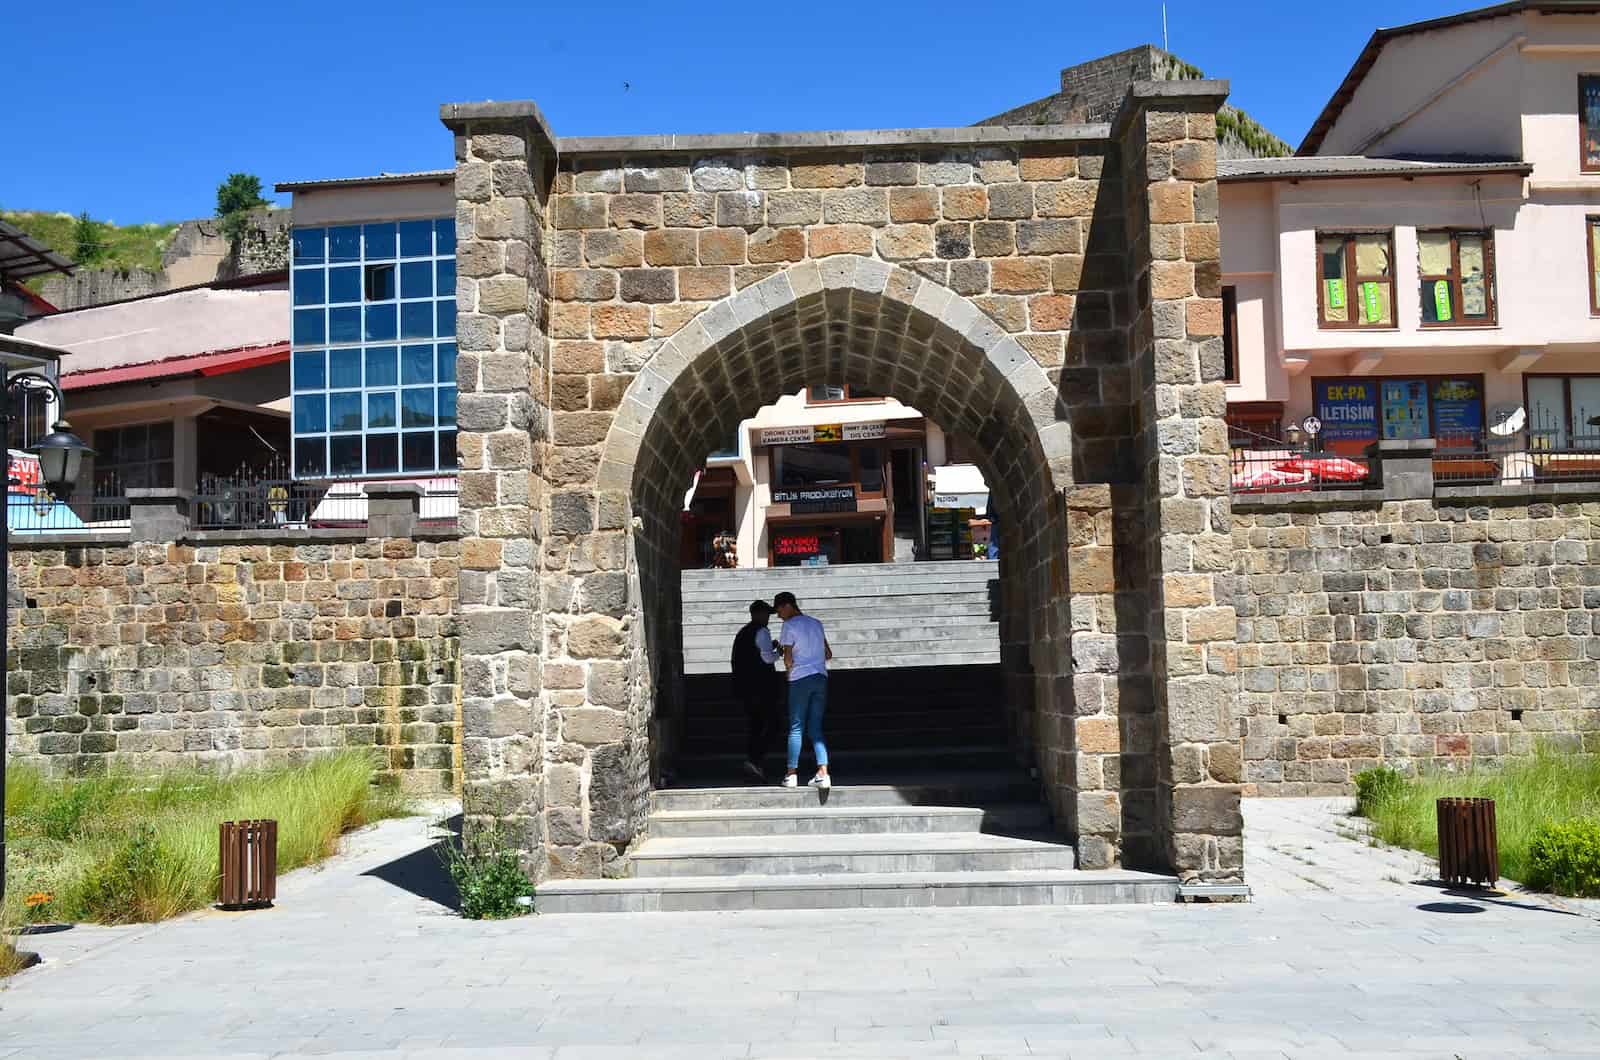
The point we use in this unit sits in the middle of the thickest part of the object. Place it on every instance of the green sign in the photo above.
(1441, 299)
(1369, 301)
(1335, 294)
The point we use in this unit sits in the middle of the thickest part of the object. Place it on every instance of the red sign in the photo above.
(798, 545)
(23, 472)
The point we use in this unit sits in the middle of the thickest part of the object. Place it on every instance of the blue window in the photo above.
(308, 370)
(416, 320)
(380, 323)
(344, 369)
(344, 411)
(416, 239)
(344, 285)
(344, 325)
(380, 411)
(308, 327)
(310, 286)
(416, 279)
(310, 413)
(416, 365)
(344, 244)
(373, 393)
(308, 246)
(378, 241)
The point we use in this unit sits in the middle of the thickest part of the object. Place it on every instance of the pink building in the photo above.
(1425, 267)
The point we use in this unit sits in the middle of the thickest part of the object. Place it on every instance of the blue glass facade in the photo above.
(373, 372)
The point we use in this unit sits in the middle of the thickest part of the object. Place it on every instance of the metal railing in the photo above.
(32, 510)
(1263, 464)
(267, 498)
(1479, 459)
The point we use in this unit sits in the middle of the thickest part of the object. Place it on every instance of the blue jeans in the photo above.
(808, 698)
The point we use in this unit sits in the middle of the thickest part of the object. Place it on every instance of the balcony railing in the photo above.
(1263, 464)
(1483, 459)
(268, 499)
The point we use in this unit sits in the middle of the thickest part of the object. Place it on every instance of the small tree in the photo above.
(236, 197)
(89, 240)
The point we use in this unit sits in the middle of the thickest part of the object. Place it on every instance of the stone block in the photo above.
(905, 242)
(1207, 810)
(671, 246)
(1054, 236)
(913, 204)
(615, 249)
(826, 240)
(777, 245)
(722, 246)
(595, 638)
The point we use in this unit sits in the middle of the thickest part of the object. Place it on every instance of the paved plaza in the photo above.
(1340, 954)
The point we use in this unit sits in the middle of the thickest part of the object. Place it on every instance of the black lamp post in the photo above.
(60, 456)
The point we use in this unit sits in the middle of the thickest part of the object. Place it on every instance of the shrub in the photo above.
(1564, 858)
(489, 879)
(1376, 786)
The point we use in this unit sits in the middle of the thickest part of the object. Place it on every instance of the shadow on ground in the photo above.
(423, 872)
(1480, 894)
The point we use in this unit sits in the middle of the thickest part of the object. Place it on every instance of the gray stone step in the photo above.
(810, 855)
(811, 576)
(967, 656)
(856, 891)
(737, 613)
(928, 630)
(977, 788)
(846, 820)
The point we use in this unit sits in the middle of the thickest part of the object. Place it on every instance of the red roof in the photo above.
(217, 362)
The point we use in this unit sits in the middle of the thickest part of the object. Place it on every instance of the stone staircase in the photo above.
(878, 615)
(968, 838)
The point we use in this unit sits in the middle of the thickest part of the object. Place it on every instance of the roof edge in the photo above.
(1485, 169)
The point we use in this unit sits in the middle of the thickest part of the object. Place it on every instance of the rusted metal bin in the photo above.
(249, 857)
(1468, 848)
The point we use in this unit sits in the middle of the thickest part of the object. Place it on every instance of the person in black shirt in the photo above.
(755, 683)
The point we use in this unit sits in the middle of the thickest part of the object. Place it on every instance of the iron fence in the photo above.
(32, 510)
(1264, 464)
(1539, 455)
(267, 498)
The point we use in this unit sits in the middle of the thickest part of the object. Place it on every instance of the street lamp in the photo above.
(60, 456)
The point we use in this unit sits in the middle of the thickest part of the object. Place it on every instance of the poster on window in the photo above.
(1589, 104)
(1405, 408)
(1457, 409)
(1348, 409)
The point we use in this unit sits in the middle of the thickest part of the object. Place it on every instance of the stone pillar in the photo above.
(392, 508)
(1405, 467)
(158, 514)
(1167, 132)
(505, 158)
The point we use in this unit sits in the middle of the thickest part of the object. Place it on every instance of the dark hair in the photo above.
(759, 608)
(784, 598)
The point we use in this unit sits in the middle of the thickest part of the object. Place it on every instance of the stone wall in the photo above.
(150, 655)
(1412, 633)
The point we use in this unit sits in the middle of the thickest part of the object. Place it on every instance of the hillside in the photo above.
(123, 246)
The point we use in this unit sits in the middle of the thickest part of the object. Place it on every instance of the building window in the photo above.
(1455, 277)
(1589, 123)
(1355, 279)
(1230, 334)
(137, 457)
(1563, 411)
(30, 420)
(1593, 240)
(373, 371)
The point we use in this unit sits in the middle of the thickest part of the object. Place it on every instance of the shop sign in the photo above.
(816, 500)
(1348, 410)
(23, 472)
(822, 432)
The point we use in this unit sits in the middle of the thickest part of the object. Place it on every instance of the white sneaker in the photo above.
(791, 781)
(822, 780)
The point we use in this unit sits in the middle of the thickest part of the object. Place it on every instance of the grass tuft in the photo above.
(1530, 792)
(132, 847)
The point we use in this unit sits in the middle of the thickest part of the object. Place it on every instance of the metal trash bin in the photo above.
(1469, 851)
(248, 855)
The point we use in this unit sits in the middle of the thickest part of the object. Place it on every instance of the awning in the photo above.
(203, 364)
(960, 486)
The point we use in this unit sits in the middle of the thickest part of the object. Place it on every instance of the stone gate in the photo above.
(1051, 291)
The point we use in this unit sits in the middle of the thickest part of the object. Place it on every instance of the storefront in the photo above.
(1357, 412)
(831, 489)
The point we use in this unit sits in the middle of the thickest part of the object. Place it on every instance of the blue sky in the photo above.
(134, 112)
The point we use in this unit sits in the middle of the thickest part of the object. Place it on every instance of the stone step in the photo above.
(931, 631)
(735, 615)
(857, 891)
(810, 577)
(967, 655)
(975, 788)
(846, 820)
(810, 855)
(861, 763)
(840, 588)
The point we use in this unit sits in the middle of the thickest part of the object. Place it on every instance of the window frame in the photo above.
(1568, 428)
(1591, 224)
(1352, 279)
(1584, 165)
(850, 397)
(1230, 333)
(103, 466)
(1455, 280)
